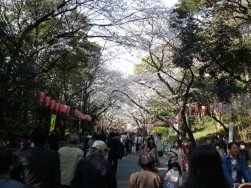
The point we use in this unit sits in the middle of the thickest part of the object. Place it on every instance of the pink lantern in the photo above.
(41, 96)
(47, 101)
(52, 104)
(57, 107)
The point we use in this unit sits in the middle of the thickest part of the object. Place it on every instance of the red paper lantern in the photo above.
(47, 101)
(41, 96)
(68, 109)
(52, 104)
(57, 107)
(62, 109)
(74, 112)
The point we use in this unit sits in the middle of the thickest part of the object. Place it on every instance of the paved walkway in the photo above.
(128, 165)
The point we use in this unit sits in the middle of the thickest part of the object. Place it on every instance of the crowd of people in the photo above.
(91, 161)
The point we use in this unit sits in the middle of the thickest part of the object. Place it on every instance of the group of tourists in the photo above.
(91, 161)
(205, 166)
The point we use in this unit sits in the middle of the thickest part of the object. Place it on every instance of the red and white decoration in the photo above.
(79, 115)
(205, 109)
(64, 109)
(54, 105)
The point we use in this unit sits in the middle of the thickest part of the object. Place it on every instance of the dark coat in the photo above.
(116, 149)
(41, 168)
(94, 172)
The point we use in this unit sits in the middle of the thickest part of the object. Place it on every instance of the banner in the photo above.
(231, 132)
(53, 122)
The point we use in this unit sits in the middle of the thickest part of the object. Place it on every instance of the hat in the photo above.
(99, 145)
(73, 139)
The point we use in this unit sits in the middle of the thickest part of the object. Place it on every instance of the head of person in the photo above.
(112, 135)
(242, 145)
(94, 136)
(73, 139)
(146, 161)
(220, 136)
(159, 135)
(185, 142)
(175, 166)
(117, 135)
(209, 140)
(233, 148)
(6, 160)
(205, 169)
(150, 141)
(99, 147)
(39, 136)
(25, 142)
(176, 144)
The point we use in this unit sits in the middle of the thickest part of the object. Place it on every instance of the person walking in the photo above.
(84, 144)
(94, 171)
(243, 151)
(90, 142)
(151, 148)
(137, 141)
(53, 140)
(179, 151)
(235, 167)
(6, 162)
(70, 155)
(205, 169)
(180, 159)
(148, 176)
(172, 176)
(158, 143)
(40, 166)
(116, 150)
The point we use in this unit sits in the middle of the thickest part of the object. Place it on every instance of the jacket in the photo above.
(242, 170)
(145, 179)
(6, 182)
(69, 158)
(116, 149)
(94, 172)
(41, 168)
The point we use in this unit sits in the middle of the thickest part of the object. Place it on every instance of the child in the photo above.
(172, 176)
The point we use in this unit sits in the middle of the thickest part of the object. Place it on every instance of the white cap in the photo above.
(99, 145)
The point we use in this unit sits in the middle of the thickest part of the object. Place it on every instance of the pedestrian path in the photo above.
(129, 164)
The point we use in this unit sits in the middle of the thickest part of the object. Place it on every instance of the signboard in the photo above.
(231, 132)
(53, 122)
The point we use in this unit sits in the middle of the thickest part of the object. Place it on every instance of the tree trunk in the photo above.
(186, 127)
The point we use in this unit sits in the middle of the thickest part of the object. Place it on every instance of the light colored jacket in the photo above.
(145, 179)
(69, 158)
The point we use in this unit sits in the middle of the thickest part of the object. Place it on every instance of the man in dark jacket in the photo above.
(41, 166)
(116, 150)
(94, 171)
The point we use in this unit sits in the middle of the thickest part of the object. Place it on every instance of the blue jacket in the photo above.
(242, 170)
(6, 182)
